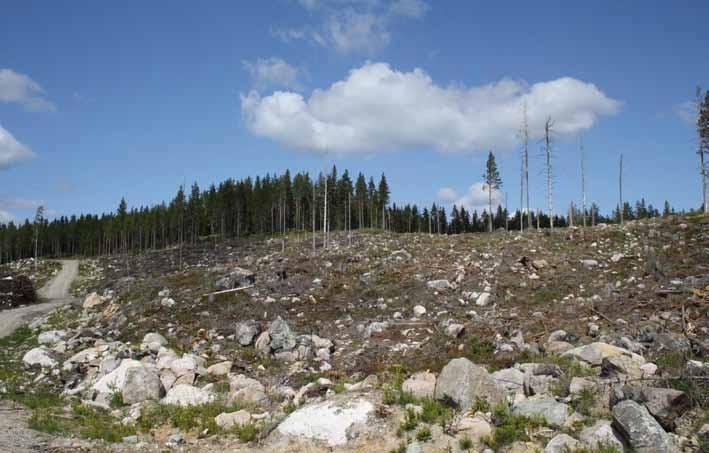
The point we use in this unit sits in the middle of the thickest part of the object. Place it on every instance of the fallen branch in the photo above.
(227, 291)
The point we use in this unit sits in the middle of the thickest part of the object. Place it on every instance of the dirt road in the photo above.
(55, 293)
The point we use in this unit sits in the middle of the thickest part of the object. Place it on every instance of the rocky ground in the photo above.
(589, 340)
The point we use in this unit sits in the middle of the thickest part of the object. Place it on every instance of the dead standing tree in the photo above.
(524, 185)
(548, 130)
(620, 189)
(583, 183)
(702, 106)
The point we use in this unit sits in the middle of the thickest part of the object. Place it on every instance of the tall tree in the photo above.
(702, 106)
(492, 182)
(548, 130)
(583, 183)
(620, 189)
(383, 198)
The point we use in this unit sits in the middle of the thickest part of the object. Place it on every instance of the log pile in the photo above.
(16, 290)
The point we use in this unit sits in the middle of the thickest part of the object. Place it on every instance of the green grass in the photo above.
(584, 402)
(510, 428)
(465, 443)
(85, 422)
(187, 418)
(423, 434)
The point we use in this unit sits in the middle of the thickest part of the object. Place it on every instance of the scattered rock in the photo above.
(246, 332)
(463, 383)
(227, 420)
(642, 432)
(187, 395)
(554, 412)
(334, 421)
(562, 443)
(594, 353)
(421, 385)
(41, 357)
(141, 384)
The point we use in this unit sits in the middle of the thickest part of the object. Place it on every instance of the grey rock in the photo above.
(463, 383)
(641, 431)
(246, 332)
(666, 405)
(509, 379)
(562, 443)
(554, 412)
(141, 384)
(439, 285)
(455, 330)
(375, 327)
(282, 338)
(602, 433)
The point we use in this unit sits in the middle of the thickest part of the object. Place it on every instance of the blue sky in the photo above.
(102, 100)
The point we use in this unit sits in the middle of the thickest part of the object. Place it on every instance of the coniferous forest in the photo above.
(268, 205)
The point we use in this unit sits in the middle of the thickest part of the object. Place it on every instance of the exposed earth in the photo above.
(581, 339)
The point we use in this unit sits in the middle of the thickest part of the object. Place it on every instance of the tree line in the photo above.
(268, 205)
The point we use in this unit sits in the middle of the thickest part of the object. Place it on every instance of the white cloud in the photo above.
(353, 25)
(19, 88)
(377, 108)
(409, 8)
(686, 111)
(474, 199)
(272, 72)
(6, 217)
(12, 151)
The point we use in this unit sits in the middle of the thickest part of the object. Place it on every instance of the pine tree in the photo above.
(492, 182)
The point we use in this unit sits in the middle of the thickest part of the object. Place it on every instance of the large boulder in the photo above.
(116, 379)
(51, 337)
(282, 338)
(187, 395)
(41, 357)
(463, 383)
(141, 384)
(510, 379)
(562, 443)
(420, 385)
(153, 341)
(602, 433)
(594, 353)
(335, 421)
(247, 390)
(554, 412)
(666, 405)
(640, 430)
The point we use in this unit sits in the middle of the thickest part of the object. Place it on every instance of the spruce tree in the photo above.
(492, 182)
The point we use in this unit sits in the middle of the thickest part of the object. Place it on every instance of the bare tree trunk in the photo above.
(703, 171)
(324, 221)
(583, 183)
(547, 141)
(489, 204)
(524, 135)
(620, 189)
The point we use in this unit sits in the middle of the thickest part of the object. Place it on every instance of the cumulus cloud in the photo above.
(377, 108)
(21, 89)
(350, 26)
(12, 151)
(474, 199)
(272, 72)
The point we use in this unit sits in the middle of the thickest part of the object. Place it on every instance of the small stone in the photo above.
(228, 420)
(454, 330)
(419, 310)
(220, 369)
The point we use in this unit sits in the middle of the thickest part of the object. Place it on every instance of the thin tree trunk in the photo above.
(620, 189)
